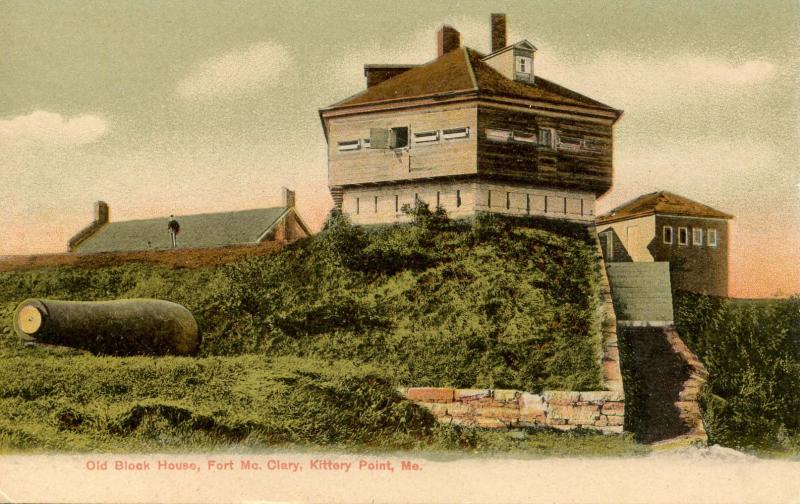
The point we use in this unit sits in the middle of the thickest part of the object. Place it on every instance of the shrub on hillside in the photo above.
(752, 351)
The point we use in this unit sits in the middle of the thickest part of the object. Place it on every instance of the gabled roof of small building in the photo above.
(196, 231)
(661, 202)
(462, 71)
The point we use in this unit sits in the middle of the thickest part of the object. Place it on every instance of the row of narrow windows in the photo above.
(416, 198)
(398, 137)
(552, 204)
(698, 235)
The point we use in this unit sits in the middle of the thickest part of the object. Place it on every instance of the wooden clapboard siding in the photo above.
(441, 158)
(580, 169)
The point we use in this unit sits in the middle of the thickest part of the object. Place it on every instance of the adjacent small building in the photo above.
(197, 231)
(663, 226)
(469, 132)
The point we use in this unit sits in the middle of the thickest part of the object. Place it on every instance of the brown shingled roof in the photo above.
(662, 202)
(462, 71)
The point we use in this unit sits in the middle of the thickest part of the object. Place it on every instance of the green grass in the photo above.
(495, 303)
(306, 347)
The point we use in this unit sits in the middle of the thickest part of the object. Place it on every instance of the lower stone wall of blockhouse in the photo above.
(602, 410)
(383, 204)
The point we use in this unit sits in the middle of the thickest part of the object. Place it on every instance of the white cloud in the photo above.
(49, 128)
(236, 72)
(627, 81)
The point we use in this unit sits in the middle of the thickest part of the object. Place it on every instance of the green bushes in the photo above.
(752, 351)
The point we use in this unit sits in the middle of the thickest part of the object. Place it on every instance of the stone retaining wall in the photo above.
(504, 409)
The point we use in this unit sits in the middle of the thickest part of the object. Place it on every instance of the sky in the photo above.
(186, 107)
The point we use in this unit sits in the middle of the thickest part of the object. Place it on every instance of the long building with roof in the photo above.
(469, 132)
(196, 231)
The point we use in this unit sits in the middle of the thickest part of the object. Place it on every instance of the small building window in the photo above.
(667, 234)
(508, 200)
(545, 137)
(376, 204)
(683, 236)
(712, 238)
(398, 138)
(458, 198)
(497, 135)
(453, 133)
(358, 206)
(349, 145)
(528, 203)
(524, 137)
(609, 239)
(697, 236)
(396, 203)
(426, 136)
(594, 145)
(489, 199)
(569, 142)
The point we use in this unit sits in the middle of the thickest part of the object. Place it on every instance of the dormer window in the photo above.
(514, 62)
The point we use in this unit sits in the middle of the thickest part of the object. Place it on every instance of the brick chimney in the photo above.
(101, 212)
(288, 197)
(498, 32)
(447, 39)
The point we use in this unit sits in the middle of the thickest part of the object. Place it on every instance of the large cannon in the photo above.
(123, 327)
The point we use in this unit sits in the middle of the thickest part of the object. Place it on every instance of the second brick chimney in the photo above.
(498, 31)
(447, 39)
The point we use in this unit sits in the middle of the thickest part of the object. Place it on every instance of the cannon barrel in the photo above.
(123, 327)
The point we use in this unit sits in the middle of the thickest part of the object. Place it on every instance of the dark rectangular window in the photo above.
(667, 235)
(376, 204)
(398, 138)
(528, 203)
(489, 199)
(358, 205)
(508, 200)
(458, 198)
(683, 236)
(396, 203)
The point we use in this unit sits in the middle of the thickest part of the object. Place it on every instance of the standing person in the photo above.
(174, 229)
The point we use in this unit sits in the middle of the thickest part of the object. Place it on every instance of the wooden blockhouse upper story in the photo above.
(470, 132)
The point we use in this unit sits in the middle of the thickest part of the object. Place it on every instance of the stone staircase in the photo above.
(642, 293)
(669, 379)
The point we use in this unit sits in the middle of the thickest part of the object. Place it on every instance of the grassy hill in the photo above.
(307, 345)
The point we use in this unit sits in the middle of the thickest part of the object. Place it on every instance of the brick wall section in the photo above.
(602, 410)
